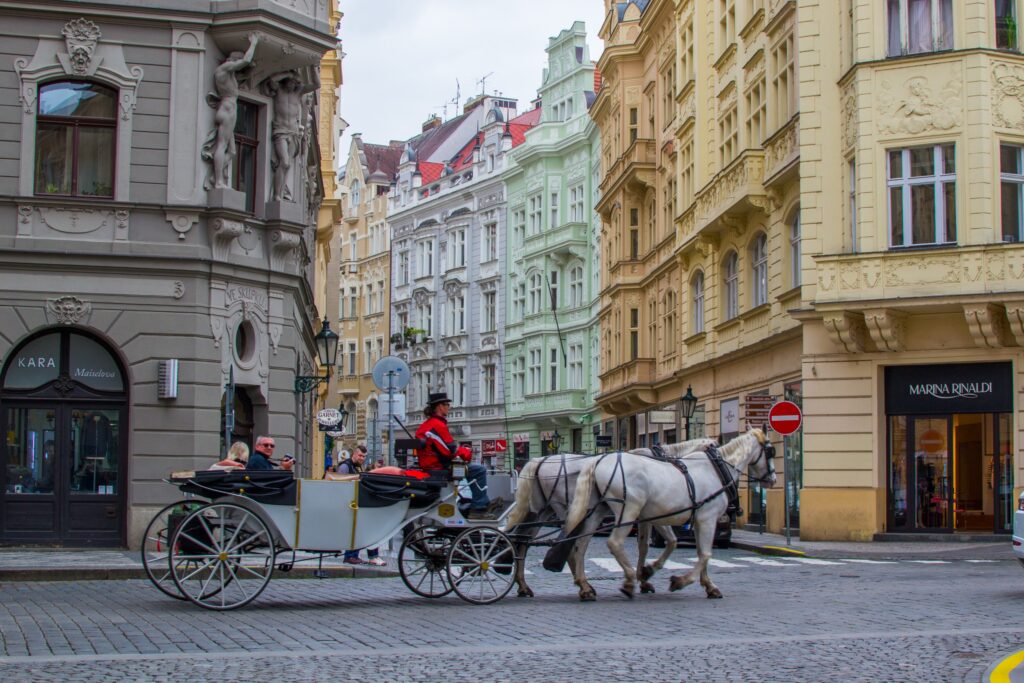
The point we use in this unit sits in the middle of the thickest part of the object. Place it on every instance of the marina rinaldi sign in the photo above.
(952, 388)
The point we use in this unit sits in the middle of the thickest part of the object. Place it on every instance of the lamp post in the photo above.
(689, 402)
(327, 353)
(556, 441)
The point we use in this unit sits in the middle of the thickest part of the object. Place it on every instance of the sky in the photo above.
(402, 58)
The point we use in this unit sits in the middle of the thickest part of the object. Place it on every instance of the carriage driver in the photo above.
(439, 449)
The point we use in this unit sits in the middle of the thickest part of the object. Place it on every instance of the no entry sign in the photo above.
(785, 417)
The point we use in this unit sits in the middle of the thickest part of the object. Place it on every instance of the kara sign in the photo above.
(940, 389)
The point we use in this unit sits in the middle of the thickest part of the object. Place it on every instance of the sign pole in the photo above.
(391, 418)
(785, 487)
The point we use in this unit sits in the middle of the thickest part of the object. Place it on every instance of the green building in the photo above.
(551, 337)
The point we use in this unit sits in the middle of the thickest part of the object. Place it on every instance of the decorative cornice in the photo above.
(987, 325)
(847, 330)
(887, 328)
(225, 232)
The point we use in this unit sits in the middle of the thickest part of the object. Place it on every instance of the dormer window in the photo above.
(76, 132)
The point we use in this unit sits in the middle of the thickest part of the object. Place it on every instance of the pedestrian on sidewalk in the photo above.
(354, 465)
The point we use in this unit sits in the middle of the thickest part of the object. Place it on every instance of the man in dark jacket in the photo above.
(354, 465)
(262, 454)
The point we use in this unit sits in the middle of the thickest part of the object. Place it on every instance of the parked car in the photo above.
(1018, 530)
(684, 534)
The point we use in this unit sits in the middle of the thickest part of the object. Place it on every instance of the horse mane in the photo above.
(730, 450)
(677, 449)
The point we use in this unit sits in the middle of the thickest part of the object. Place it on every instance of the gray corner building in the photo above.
(159, 185)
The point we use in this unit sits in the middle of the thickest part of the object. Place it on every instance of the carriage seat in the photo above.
(334, 476)
(269, 487)
(382, 490)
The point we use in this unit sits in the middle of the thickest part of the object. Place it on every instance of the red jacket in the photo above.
(440, 448)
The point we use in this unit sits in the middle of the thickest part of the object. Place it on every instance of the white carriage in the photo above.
(219, 549)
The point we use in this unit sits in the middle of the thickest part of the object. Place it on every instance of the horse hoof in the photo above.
(715, 594)
(525, 593)
(588, 597)
(676, 584)
(627, 593)
(646, 572)
(646, 587)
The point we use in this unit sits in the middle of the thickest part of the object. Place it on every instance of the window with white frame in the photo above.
(535, 293)
(697, 289)
(731, 284)
(851, 209)
(757, 110)
(490, 308)
(369, 298)
(381, 292)
(576, 286)
(535, 214)
(354, 194)
(518, 227)
(380, 348)
(353, 302)
(669, 200)
(457, 385)
(403, 322)
(425, 312)
(553, 289)
(634, 123)
(670, 322)
(519, 377)
(553, 369)
(1006, 25)
(795, 274)
(577, 213)
(457, 248)
(553, 208)
(686, 171)
(784, 83)
(634, 233)
(341, 305)
(728, 137)
(652, 224)
(368, 353)
(652, 328)
(352, 359)
(457, 314)
(668, 95)
(535, 371)
(634, 333)
(759, 271)
(922, 195)
(425, 258)
(353, 246)
(575, 366)
(490, 246)
(403, 267)
(917, 26)
(490, 384)
(726, 23)
(686, 55)
(519, 302)
(1011, 167)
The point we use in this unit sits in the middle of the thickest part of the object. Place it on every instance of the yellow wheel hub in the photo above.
(484, 566)
(223, 557)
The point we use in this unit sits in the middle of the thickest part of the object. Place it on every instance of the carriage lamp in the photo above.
(689, 402)
(327, 352)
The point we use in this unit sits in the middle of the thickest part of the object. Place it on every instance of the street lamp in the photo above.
(327, 353)
(556, 441)
(689, 402)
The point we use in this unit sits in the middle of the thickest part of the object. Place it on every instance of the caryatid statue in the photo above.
(287, 129)
(219, 149)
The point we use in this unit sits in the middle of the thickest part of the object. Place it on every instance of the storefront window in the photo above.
(1004, 470)
(898, 471)
(794, 456)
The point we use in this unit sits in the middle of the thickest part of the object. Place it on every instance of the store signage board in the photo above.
(785, 417)
(662, 417)
(755, 409)
(603, 441)
(328, 417)
(949, 388)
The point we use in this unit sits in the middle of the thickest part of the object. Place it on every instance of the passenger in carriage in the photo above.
(237, 458)
(439, 449)
(262, 457)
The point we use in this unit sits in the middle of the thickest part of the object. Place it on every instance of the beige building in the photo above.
(882, 292)
(364, 300)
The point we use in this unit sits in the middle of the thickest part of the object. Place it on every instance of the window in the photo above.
(686, 56)
(403, 322)
(369, 299)
(795, 274)
(353, 246)
(380, 348)
(922, 195)
(247, 142)
(519, 302)
(576, 287)
(686, 171)
(851, 172)
(457, 248)
(669, 201)
(756, 114)
(575, 366)
(728, 138)
(634, 234)
(1006, 24)
(668, 95)
(403, 267)
(368, 353)
(519, 376)
(731, 280)
(553, 369)
(1011, 160)
(353, 195)
(457, 315)
(634, 118)
(457, 382)
(535, 288)
(752, 7)
(351, 359)
(426, 316)
(353, 302)
(576, 204)
(490, 385)
(519, 227)
(535, 203)
(425, 256)
(553, 207)
(726, 23)
(634, 333)
(917, 26)
(380, 296)
(652, 224)
(759, 270)
(76, 129)
(670, 323)
(490, 311)
(553, 289)
(652, 328)
(784, 84)
(698, 302)
(490, 249)
(535, 357)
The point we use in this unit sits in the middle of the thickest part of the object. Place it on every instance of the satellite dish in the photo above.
(393, 369)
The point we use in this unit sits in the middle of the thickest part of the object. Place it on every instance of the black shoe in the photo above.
(483, 514)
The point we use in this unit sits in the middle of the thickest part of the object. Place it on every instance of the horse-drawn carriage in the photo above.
(219, 548)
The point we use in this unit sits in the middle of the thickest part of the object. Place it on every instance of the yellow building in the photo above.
(364, 289)
(700, 203)
(325, 296)
(882, 291)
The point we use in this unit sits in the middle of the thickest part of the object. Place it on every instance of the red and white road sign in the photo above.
(785, 417)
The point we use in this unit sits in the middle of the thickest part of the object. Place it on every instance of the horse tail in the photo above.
(581, 496)
(528, 479)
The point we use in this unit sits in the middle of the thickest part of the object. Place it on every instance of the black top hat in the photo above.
(435, 399)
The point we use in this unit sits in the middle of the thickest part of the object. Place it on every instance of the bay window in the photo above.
(1011, 160)
(1006, 24)
(922, 195)
(917, 26)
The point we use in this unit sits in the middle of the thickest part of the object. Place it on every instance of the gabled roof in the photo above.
(382, 158)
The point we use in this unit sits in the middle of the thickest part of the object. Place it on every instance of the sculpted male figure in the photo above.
(219, 148)
(287, 130)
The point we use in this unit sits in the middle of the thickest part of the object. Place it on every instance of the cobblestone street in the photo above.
(782, 619)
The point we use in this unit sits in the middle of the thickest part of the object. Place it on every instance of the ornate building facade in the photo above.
(158, 223)
(551, 341)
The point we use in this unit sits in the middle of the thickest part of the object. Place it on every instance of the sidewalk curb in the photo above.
(130, 573)
(771, 550)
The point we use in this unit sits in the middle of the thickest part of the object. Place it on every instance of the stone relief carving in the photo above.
(80, 37)
(783, 148)
(1015, 320)
(289, 129)
(916, 109)
(922, 270)
(850, 118)
(219, 148)
(887, 329)
(847, 330)
(74, 221)
(182, 222)
(284, 249)
(987, 325)
(1008, 104)
(68, 310)
(225, 232)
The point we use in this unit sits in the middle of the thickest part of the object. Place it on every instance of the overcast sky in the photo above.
(402, 58)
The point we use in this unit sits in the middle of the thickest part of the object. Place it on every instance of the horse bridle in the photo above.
(768, 453)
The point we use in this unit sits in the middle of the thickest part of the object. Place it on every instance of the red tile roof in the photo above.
(429, 170)
(383, 158)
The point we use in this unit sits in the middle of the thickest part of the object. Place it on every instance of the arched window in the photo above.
(535, 293)
(731, 282)
(76, 134)
(576, 286)
(670, 322)
(794, 249)
(759, 270)
(698, 301)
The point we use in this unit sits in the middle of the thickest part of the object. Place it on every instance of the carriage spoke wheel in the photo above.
(222, 556)
(481, 565)
(422, 562)
(156, 545)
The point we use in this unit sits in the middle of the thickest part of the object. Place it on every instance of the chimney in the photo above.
(433, 122)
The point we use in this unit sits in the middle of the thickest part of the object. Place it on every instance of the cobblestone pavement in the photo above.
(781, 620)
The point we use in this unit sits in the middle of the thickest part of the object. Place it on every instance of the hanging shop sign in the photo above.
(953, 388)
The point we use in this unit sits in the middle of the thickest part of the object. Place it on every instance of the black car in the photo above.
(684, 534)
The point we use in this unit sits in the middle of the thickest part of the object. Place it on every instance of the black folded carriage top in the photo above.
(382, 490)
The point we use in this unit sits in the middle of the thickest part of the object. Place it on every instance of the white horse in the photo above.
(546, 487)
(636, 489)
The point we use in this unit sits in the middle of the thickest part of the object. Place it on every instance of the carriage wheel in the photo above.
(481, 565)
(422, 562)
(156, 546)
(229, 553)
